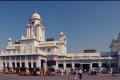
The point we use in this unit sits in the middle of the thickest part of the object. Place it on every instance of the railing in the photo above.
(5, 53)
(80, 58)
(108, 57)
(87, 58)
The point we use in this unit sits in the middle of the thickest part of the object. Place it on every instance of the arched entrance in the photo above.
(77, 65)
(51, 63)
(95, 65)
(42, 63)
(60, 66)
(23, 64)
(86, 67)
(29, 65)
(105, 65)
(69, 65)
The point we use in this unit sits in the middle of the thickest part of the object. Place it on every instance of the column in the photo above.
(45, 65)
(100, 64)
(56, 65)
(10, 61)
(31, 61)
(26, 61)
(28, 31)
(73, 65)
(64, 65)
(90, 65)
(100, 67)
(38, 62)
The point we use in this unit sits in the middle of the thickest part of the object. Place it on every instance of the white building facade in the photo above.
(33, 51)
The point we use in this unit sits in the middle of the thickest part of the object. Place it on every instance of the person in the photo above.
(85, 70)
(80, 74)
(75, 74)
(67, 71)
(113, 73)
(62, 71)
(34, 71)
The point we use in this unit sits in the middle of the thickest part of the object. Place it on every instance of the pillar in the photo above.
(100, 64)
(28, 31)
(90, 65)
(10, 61)
(31, 61)
(45, 65)
(26, 61)
(73, 65)
(56, 65)
(38, 62)
(64, 65)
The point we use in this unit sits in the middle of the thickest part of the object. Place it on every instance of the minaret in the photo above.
(63, 41)
(62, 37)
(28, 30)
(9, 41)
(35, 27)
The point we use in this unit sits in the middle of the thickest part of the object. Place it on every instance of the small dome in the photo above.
(28, 25)
(61, 33)
(115, 38)
(9, 39)
(35, 16)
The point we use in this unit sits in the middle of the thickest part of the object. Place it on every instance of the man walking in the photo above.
(80, 74)
(62, 71)
(75, 74)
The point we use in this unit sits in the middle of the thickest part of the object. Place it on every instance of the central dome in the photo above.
(35, 16)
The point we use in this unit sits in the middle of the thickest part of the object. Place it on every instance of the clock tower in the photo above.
(35, 27)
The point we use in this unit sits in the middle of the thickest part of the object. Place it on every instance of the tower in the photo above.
(10, 41)
(63, 43)
(35, 27)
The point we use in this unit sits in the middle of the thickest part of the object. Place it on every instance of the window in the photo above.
(69, 65)
(60, 65)
(33, 23)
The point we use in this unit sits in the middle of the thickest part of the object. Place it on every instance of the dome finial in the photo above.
(35, 11)
(61, 33)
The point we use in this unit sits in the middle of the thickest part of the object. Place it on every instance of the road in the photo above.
(58, 77)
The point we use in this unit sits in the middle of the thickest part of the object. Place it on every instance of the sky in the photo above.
(87, 24)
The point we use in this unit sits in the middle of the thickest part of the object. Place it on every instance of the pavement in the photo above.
(59, 77)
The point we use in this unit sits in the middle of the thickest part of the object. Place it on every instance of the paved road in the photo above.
(57, 77)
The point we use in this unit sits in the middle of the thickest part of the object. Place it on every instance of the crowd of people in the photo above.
(78, 72)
